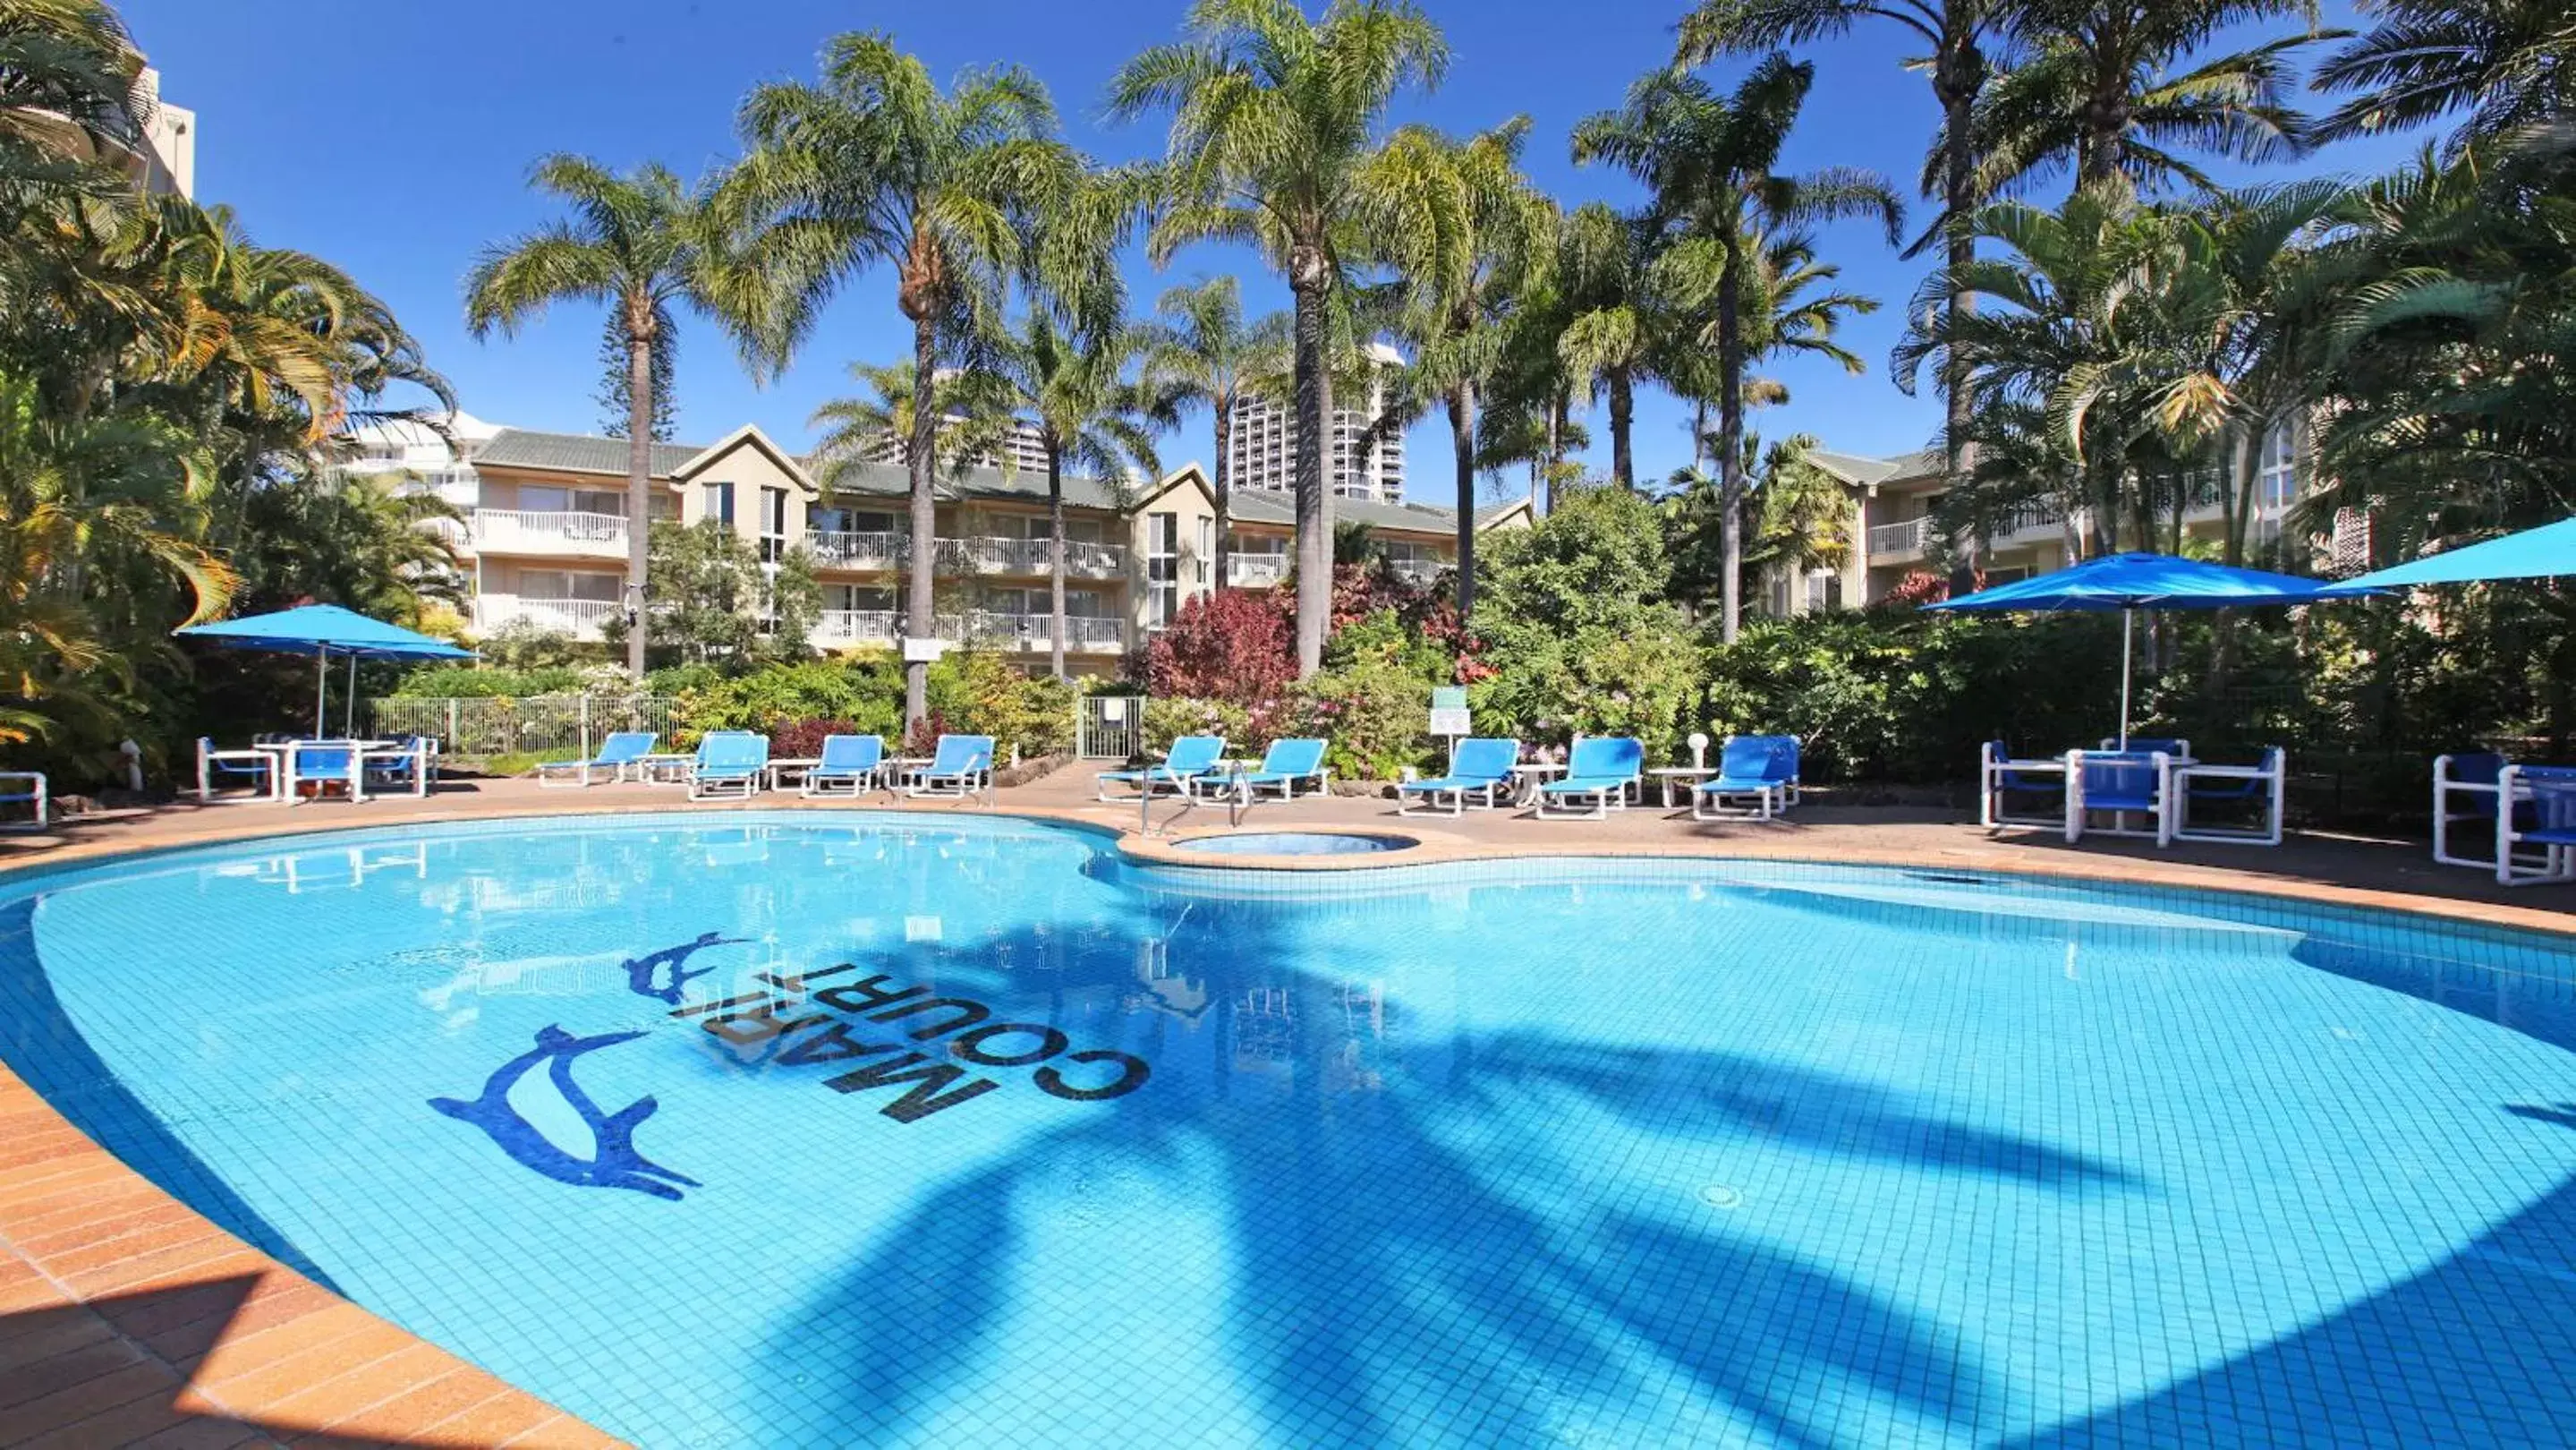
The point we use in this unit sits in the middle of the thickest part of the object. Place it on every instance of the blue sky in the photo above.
(394, 140)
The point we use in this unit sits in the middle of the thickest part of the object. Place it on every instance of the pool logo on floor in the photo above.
(613, 1160)
(974, 1038)
(665, 973)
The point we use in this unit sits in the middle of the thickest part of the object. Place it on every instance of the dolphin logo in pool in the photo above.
(613, 1163)
(643, 972)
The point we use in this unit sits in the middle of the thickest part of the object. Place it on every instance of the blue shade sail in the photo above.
(2547, 552)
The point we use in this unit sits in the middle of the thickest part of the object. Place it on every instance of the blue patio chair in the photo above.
(621, 755)
(2466, 788)
(323, 764)
(1760, 768)
(2150, 744)
(255, 768)
(961, 766)
(2547, 831)
(729, 763)
(1191, 758)
(26, 788)
(2121, 784)
(1283, 765)
(411, 764)
(1480, 765)
(2000, 777)
(1602, 769)
(848, 767)
(2262, 786)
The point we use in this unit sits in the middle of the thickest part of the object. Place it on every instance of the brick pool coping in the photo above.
(128, 1318)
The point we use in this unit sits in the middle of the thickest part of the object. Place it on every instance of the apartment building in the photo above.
(1891, 530)
(545, 537)
(168, 162)
(1261, 444)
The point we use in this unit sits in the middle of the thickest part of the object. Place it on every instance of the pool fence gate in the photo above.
(1109, 727)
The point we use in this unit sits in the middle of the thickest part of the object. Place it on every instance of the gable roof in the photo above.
(748, 435)
(1862, 471)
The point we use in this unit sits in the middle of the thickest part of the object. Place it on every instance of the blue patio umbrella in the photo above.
(2542, 553)
(2131, 582)
(323, 630)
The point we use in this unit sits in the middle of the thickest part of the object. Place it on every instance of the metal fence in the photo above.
(527, 724)
(1109, 727)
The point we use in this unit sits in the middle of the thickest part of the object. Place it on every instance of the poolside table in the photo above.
(1673, 776)
(664, 769)
(779, 770)
(1529, 776)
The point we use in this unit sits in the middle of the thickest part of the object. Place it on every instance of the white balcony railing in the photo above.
(1255, 571)
(525, 531)
(843, 628)
(979, 555)
(580, 618)
(1905, 540)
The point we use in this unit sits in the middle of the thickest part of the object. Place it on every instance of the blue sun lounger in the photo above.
(621, 755)
(1283, 765)
(1601, 770)
(1755, 777)
(728, 763)
(848, 766)
(1191, 758)
(961, 766)
(1480, 765)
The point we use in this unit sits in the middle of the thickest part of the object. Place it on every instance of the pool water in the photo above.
(1291, 843)
(785, 1131)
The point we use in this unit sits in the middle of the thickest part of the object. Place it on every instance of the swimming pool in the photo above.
(802, 1129)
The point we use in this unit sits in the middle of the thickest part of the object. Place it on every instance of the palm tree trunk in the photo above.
(1623, 410)
(1730, 445)
(639, 486)
(921, 565)
(1462, 439)
(1314, 439)
(1958, 195)
(1055, 559)
(1224, 484)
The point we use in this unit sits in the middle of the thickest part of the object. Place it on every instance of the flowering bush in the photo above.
(803, 739)
(1372, 712)
(1168, 720)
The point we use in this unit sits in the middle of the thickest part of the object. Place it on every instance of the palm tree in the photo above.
(1077, 390)
(70, 92)
(1507, 234)
(2093, 90)
(2507, 63)
(1608, 343)
(875, 164)
(970, 416)
(1203, 352)
(1709, 161)
(636, 243)
(1273, 141)
(1958, 37)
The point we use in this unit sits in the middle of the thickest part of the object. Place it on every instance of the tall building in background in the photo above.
(1261, 448)
(168, 164)
(1022, 445)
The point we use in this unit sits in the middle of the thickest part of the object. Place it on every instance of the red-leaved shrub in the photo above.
(1235, 644)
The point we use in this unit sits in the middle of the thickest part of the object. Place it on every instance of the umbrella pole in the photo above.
(2126, 615)
(349, 707)
(321, 690)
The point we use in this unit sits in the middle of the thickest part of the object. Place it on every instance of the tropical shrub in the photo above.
(1233, 644)
(1168, 720)
(486, 682)
(864, 691)
(803, 739)
(1373, 712)
(979, 693)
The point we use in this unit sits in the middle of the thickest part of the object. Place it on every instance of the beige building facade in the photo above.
(545, 537)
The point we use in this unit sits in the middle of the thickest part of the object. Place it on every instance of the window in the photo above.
(773, 525)
(1207, 551)
(719, 497)
(864, 521)
(666, 505)
(858, 598)
(599, 501)
(2278, 482)
(564, 584)
(1824, 591)
(827, 520)
(1162, 569)
(1779, 596)
(537, 498)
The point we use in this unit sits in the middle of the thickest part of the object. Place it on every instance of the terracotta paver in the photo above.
(156, 1328)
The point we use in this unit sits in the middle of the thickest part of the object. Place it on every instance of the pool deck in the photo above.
(127, 1319)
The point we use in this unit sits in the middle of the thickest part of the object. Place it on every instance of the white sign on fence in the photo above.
(923, 651)
(1449, 715)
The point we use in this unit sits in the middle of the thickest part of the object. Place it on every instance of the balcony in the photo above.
(580, 618)
(1899, 541)
(551, 535)
(1026, 558)
(846, 628)
(1255, 571)
(2021, 524)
